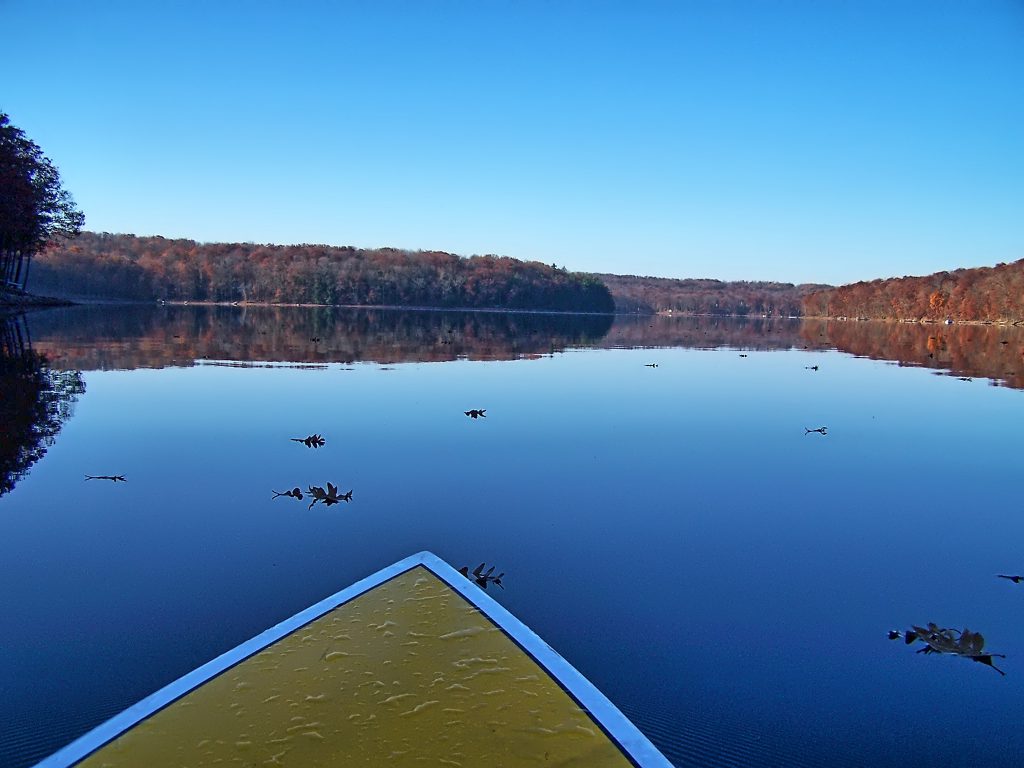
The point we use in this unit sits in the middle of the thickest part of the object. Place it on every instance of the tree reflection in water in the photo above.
(35, 401)
(144, 336)
(127, 337)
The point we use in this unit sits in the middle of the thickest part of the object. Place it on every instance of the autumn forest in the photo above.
(126, 267)
(993, 294)
(130, 268)
(155, 268)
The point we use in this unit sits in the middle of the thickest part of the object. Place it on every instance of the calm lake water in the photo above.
(726, 579)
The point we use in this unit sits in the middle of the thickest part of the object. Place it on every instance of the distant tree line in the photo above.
(985, 293)
(646, 295)
(154, 268)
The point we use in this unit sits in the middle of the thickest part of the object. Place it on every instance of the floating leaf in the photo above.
(328, 497)
(966, 644)
(482, 578)
(986, 658)
(313, 441)
(971, 642)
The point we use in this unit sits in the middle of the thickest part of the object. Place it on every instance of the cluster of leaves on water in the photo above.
(955, 642)
(318, 494)
(312, 441)
(329, 496)
(482, 577)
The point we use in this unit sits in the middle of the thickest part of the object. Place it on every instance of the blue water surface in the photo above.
(725, 578)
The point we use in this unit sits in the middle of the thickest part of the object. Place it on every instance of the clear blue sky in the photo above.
(794, 140)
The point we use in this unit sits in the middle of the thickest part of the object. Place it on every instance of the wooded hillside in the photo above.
(985, 293)
(152, 268)
(101, 265)
(706, 297)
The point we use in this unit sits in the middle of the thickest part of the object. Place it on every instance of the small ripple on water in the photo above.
(701, 742)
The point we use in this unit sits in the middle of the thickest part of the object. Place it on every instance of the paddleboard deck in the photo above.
(414, 665)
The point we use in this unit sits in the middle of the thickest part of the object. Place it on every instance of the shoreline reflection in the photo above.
(35, 401)
(993, 352)
(135, 336)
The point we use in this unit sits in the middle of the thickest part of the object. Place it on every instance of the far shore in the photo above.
(911, 321)
(27, 301)
(18, 302)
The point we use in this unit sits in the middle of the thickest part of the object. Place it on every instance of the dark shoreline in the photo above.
(910, 321)
(17, 302)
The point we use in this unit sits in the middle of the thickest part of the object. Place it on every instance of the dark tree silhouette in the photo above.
(34, 208)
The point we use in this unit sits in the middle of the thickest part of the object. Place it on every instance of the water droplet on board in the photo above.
(420, 707)
(396, 697)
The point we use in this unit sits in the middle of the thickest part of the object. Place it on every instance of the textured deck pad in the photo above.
(408, 673)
